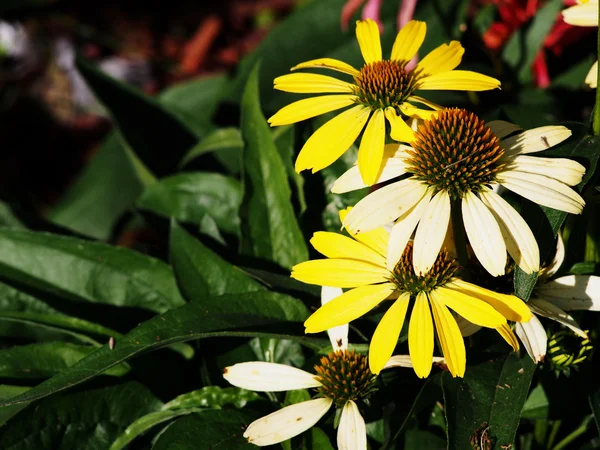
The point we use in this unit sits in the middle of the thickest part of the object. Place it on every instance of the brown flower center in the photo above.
(384, 83)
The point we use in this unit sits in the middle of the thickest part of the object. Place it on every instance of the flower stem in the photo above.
(596, 118)
(458, 230)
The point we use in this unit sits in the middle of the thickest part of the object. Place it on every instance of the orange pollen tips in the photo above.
(455, 152)
(384, 83)
(407, 280)
(344, 375)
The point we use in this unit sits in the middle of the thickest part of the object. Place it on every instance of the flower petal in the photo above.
(405, 361)
(533, 336)
(370, 152)
(269, 377)
(386, 334)
(335, 245)
(332, 139)
(466, 328)
(347, 307)
(451, 341)
(352, 432)
(573, 292)
(416, 98)
(535, 140)
(508, 335)
(583, 15)
(484, 234)
(559, 257)
(546, 309)
(312, 83)
(402, 231)
(471, 308)
(408, 41)
(287, 422)
(444, 58)
(401, 132)
(310, 107)
(511, 307)
(501, 128)
(518, 237)
(367, 34)
(338, 336)
(344, 273)
(328, 63)
(412, 111)
(431, 232)
(376, 239)
(458, 80)
(564, 170)
(591, 79)
(420, 336)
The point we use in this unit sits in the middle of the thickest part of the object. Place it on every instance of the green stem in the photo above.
(596, 119)
(458, 229)
(574, 434)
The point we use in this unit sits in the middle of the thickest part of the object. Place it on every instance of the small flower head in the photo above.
(383, 84)
(567, 351)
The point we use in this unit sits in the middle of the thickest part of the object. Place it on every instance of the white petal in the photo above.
(352, 432)
(402, 231)
(268, 377)
(484, 235)
(337, 335)
(431, 232)
(405, 361)
(518, 237)
(287, 422)
(591, 78)
(533, 336)
(384, 205)
(501, 128)
(544, 308)
(558, 259)
(466, 328)
(535, 140)
(573, 292)
(564, 170)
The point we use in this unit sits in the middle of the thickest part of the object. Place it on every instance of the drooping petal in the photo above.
(484, 234)
(405, 361)
(533, 336)
(535, 140)
(471, 308)
(269, 377)
(412, 111)
(344, 273)
(458, 80)
(544, 308)
(559, 257)
(328, 63)
(408, 41)
(444, 58)
(332, 139)
(501, 128)
(370, 152)
(386, 334)
(349, 306)
(431, 232)
(352, 432)
(310, 107)
(451, 341)
(338, 336)
(401, 132)
(376, 239)
(583, 15)
(518, 237)
(384, 205)
(312, 83)
(335, 245)
(591, 79)
(402, 231)
(511, 307)
(564, 170)
(420, 336)
(466, 328)
(416, 98)
(543, 191)
(573, 292)
(508, 335)
(287, 422)
(367, 34)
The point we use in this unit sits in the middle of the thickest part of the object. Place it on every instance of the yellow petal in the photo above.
(367, 34)
(328, 63)
(420, 336)
(511, 307)
(311, 83)
(459, 80)
(332, 139)
(502, 128)
(344, 273)
(507, 334)
(334, 245)
(347, 307)
(386, 335)
(411, 111)
(409, 40)
(376, 239)
(310, 107)
(471, 308)
(416, 98)
(451, 341)
(401, 132)
(444, 58)
(370, 152)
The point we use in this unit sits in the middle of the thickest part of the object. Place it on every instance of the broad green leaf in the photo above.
(6, 392)
(269, 226)
(200, 272)
(44, 360)
(492, 393)
(421, 439)
(252, 314)
(282, 283)
(87, 420)
(536, 406)
(278, 351)
(213, 397)
(284, 140)
(85, 271)
(208, 430)
(222, 139)
(156, 136)
(188, 197)
(8, 217)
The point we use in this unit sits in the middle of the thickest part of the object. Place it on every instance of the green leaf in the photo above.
(45, 360)
(421, 439)
(594, 400)
(213, 397)
(208, 430)
(269, 226)
(536, 406)
(85, 271)
(85, 420)
(492, 393)
(250, 315)
(6, 392)
(201, 272)
(222, 139)
(284, 140)
(188, 197)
